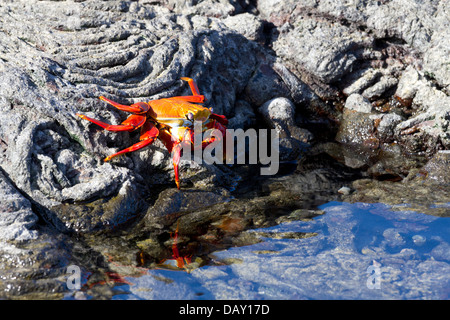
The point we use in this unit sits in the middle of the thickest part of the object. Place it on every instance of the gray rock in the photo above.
(54, 157)
(314, 38)
(361, 81)
(267, 83)
(407, 85)
(246, 24)
(432, 119)
(386, 126)
(357, 129)
(244, 116)
(435, 64)
(358, 103)
(204, 7)
(279, 114)
(17, 219)
(56, 58)
(438, 168)
(172, 201)
(326, 50)
(385, 84)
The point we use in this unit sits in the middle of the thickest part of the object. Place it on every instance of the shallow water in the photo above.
(352, 251)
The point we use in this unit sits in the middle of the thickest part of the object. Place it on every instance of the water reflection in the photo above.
(353, 251)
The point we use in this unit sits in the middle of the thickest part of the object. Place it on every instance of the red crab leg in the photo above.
(148, 135)
(222, 119)
(192, 85)
(196, 96)
(139, 107)
(133, 122)
(218, 126)
(178, 147)
(198, 99)
(176, 160)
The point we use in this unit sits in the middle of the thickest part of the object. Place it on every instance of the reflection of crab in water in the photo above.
(170, 119)
(182, 262)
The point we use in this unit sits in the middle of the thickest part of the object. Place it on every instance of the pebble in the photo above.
(344, 190)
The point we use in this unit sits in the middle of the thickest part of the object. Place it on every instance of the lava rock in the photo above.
(279, 114)
(438, 168)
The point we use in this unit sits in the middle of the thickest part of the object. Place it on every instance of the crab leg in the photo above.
(222, 119)
(192, 85)
(148, 134)
(176, 160)
(196, 96)
(177, 149)
(139, 107)
(133, 122)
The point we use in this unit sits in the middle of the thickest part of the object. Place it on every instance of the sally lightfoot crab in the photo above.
(169, 119)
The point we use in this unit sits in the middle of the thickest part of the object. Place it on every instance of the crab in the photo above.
(169, 119)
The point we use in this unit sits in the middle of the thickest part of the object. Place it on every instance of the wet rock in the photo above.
(172, 201)
(441, 252)
(357, 130)
(438, 168)
(419, 240)
(279, 114)
(106, 214)
(390, 162)
(413, 194)
(317, 177)
(393, 238)
(300, 214)
(386, 126)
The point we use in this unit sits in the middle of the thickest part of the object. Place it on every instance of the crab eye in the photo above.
(211, 109)
(190, 116)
